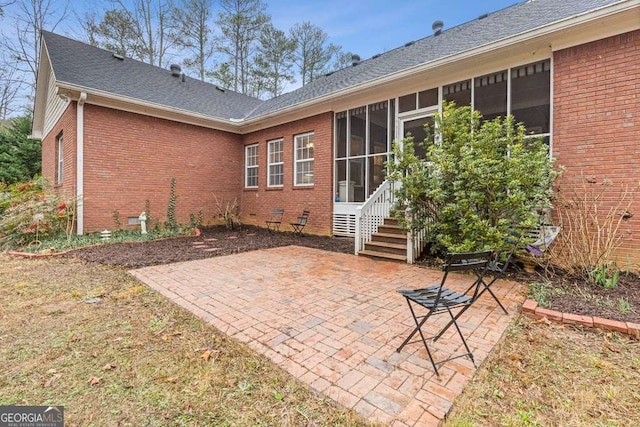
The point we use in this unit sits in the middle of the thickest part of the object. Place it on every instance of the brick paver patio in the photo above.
(334, 321)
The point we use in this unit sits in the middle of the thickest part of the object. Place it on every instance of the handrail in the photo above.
(372, 213)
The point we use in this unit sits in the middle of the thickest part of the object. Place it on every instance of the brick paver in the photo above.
(335, 320)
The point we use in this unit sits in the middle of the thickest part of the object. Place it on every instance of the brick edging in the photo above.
(530, 307)
(31, 255)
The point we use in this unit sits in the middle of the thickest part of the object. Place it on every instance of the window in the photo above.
(303, 164)
(358, 126)
(490, 95)
(251, 166)
(363, 139)
(531, 96)
(59, 158)
(275, 161)
(460, 93)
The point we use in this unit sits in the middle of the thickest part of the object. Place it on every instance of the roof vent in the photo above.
(377, 55)
(176, 70)
(220, 89)
(118, 56)
(355, 59)
(437, 27)
(407, 44)
(484, 15)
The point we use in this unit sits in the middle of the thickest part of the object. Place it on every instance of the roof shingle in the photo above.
(79, 64)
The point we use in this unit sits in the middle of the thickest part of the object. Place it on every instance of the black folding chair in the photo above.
(438, 299)
(274, 221)
(300, 223)
(499, 264)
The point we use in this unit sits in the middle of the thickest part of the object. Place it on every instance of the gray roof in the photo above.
(80, 64)
(496, 26)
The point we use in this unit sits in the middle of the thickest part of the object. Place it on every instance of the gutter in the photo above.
(80, 163)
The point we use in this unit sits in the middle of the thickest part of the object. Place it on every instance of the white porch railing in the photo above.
(372, 213)
(415, 241)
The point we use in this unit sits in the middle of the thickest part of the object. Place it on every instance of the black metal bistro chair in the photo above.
(498, 266)
(274, 221)
(301, 222)
(438, 299)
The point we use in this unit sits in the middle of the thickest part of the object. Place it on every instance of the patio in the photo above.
(334, 321)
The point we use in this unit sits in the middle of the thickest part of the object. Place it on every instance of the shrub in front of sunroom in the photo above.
(480, 179)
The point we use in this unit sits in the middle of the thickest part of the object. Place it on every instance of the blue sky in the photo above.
(365, 27)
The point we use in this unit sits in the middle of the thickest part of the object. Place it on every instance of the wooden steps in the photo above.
(390, 242)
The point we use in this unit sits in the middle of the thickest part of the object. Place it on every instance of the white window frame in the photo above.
(60, 159)
(302, 138)
(251, 153)
(270, 164)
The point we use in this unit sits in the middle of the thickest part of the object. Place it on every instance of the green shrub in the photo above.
(479, 180)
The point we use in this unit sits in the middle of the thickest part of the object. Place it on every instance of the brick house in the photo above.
(115, 131)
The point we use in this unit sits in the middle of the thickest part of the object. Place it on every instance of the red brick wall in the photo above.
(130, 158)
(258, 203)
(66, 126)
(596, 128)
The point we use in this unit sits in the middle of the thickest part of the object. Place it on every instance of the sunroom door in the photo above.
(416, 127)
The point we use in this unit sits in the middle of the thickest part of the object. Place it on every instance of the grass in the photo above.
(549, 375)
(134, 358)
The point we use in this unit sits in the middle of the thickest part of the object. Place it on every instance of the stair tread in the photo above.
(392, 235)
(387, 244)
(383, 255)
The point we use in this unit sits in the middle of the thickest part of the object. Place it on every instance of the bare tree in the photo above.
(193, 32)
(313, 54)
(241, 22)
(152, 25)
(11, 84)
(31, 17)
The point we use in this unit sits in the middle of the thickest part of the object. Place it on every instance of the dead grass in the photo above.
(550, 375)
(134, 358)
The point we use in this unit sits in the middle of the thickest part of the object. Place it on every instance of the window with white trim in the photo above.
(303, 159)
(59, 159)
(275, 163)
(251, 166)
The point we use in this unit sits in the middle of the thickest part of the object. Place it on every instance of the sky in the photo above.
(368, 27)
(365, 27)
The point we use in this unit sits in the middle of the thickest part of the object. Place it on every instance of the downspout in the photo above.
(80, 164)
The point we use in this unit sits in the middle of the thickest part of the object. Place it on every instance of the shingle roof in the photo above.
(499, 25)
(79, 64)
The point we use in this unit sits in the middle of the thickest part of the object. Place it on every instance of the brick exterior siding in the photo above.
(130, 158)
(66, 126)
(258, 203)
(596, 129)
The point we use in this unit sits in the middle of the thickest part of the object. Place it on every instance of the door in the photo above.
(417, 127)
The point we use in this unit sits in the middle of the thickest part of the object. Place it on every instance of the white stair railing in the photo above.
(372, 213)
(415, 241)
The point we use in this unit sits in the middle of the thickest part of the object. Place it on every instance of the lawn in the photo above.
(546, 374)
(113, 352)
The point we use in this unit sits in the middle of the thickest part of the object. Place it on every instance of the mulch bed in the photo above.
(569, 295)
(214, 241)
